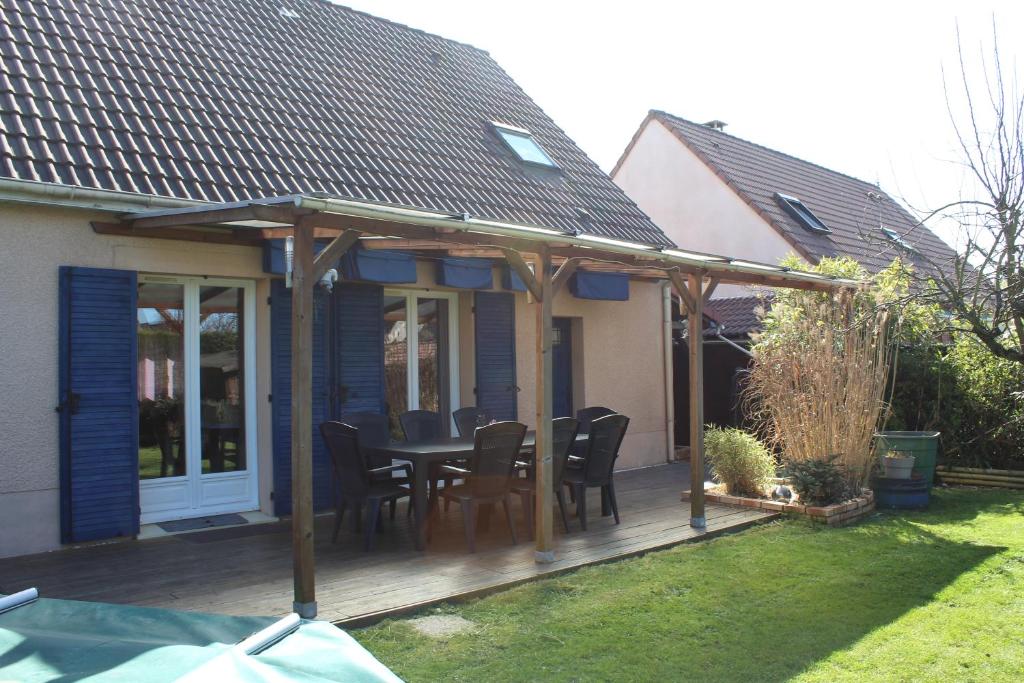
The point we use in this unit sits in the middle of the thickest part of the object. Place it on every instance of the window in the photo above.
(522, 144)
(897, 238)
(196, 391)
(795, 208)
(420, 353)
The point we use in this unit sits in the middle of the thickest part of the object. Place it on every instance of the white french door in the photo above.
(196, 388)
(421, 352)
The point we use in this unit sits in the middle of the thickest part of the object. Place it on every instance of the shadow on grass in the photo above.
(766, 604)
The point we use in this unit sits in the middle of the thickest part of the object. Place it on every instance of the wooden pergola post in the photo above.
(302, 422)
(307, 270)
(545, 542)
(695, 338)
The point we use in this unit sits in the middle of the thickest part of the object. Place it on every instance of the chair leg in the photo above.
(357, 515)
(469, 523)
(606, 508)
(409, 508)
(581, 504)
(394, 506)
(372, 515)
(507, 504)
(339, 512)
(526, 498)
(572, 493)
(560, 495)
(611, 499)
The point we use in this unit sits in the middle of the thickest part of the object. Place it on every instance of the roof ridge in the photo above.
(659, 112)
(412, 29)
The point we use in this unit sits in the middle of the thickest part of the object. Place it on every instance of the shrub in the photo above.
(739, 460)
(819, 481)
(820, 372)
(969, 395)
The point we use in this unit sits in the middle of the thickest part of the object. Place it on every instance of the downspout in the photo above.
(670, 408)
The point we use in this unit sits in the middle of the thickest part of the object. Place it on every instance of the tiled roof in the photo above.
(225, 100)
(843, 203)
(737, 315)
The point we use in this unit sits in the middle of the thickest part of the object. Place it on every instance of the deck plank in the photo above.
(247, 570)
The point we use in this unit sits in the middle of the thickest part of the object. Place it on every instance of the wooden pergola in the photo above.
(345, 222)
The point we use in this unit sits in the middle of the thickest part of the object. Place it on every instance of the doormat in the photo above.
(202, 523)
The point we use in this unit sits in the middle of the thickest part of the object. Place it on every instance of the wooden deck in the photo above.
(247, 570)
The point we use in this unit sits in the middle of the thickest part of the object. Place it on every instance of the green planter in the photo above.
(922, 445)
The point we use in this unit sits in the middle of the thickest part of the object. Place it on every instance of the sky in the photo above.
(856, 87)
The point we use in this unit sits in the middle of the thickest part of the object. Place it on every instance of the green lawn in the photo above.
(936, 595)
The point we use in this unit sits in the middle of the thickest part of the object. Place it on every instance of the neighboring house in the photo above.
(718, 194)
(167, 357)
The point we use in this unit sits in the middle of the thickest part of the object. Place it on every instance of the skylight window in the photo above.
(795, 208)
(897, 238)
(522, 144)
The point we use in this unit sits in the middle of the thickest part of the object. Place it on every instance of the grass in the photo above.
(935, 595)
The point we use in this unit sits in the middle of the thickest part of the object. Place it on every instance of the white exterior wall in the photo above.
(692, 205)
(618, 345)
(38, 240)
(618, 349)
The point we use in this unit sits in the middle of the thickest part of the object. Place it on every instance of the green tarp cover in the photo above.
(67, 640)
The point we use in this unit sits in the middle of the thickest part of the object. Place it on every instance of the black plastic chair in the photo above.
(469, 418)
(489, 475)
(596, 467)
(586, 416)
(375, 430)
(420, 425)
(563, 433)
(358, 484)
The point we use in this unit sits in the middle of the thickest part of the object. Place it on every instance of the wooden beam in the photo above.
(515, 260)
(563, 274)
(544, 551)
(682, 290)
(181, 233)
(326, 259)
(302, 423)
(709, 289)
(695, 342)
(210, 216)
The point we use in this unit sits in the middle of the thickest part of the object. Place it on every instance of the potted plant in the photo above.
(898, 464)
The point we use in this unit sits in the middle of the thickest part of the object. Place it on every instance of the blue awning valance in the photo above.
(379, 265)
(465, 273)
(600, 286)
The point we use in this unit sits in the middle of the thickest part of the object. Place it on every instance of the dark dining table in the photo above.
(421, 454)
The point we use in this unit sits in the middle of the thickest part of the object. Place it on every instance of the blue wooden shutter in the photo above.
(99, 407)
(281, 394)
(495, 325)
(359, 348)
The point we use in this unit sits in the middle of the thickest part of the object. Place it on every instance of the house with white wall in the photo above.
(719, 194)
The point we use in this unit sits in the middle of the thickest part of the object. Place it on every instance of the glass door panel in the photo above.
(160, 320)
(396, 356)
(221, 379)
(432, 355)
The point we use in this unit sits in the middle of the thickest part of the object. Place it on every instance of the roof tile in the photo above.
(230, 100)
(843, 203)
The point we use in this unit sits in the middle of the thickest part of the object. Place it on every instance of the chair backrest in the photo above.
(419, 425)
(603, 447)
(495, 451)
(469, 418)
(347, 458)
(374, 430)
(563, 430)
(588, 415)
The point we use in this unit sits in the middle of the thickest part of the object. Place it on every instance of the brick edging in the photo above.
(839, 514)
